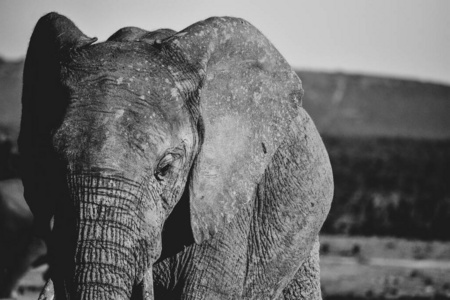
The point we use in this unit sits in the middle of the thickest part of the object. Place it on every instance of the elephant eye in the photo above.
(164, 166)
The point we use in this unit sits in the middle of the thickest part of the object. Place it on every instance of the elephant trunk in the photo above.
(104, 260)
(113, 246)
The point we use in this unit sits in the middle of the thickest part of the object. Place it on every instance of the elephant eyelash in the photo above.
(164, 166)
(164, 170)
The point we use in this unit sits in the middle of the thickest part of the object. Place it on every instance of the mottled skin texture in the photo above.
(175, 165)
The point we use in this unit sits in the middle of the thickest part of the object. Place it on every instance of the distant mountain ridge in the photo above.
(361, 105)
(340, 105)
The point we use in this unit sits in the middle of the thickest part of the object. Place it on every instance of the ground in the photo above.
(382, 268)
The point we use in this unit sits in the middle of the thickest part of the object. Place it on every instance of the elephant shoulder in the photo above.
(291, 204)
(303, 162)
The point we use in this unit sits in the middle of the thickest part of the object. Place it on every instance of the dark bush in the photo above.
(356, 249)
(390, 187)
(324, 248)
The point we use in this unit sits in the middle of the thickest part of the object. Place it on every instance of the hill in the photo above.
(368, 106)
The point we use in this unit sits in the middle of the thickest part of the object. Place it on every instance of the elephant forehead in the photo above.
(137, 68)
(105, 125)
(133, 78)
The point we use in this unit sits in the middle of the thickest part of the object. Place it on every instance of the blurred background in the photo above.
(376, 76)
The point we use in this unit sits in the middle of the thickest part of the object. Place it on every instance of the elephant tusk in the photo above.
(148, 285)
(48, 293)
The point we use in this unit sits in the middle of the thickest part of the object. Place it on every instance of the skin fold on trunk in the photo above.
(110, 255)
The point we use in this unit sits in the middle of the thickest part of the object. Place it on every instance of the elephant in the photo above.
(19, 248)
(175, 165)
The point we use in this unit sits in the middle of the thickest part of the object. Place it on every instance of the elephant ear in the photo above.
(247, 96)
(43, 106)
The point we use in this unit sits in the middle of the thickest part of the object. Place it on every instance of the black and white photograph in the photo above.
(224, 150)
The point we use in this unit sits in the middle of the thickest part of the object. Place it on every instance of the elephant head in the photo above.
(114, 134)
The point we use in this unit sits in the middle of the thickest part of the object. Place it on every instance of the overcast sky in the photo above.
(402, 38)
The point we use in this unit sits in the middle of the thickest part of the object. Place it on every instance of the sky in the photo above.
(401, 38)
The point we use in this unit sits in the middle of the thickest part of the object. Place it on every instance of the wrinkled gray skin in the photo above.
(176, 165)
(19, 249)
